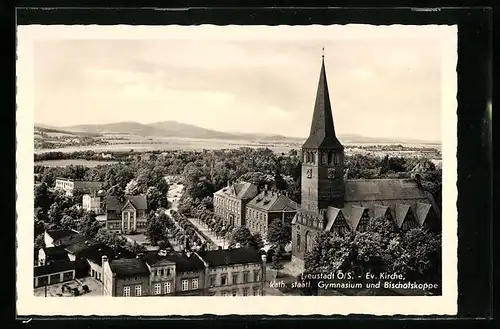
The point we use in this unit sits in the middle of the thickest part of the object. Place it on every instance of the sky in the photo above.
(383, 82)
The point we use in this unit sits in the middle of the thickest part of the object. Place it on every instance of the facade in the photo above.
(230, 202)
(126, 214)
(331, 202)
(266, 207)
(94, 202)
(69, 185)
(234, 272)
(49, 255)
(125, 277)
(58, 272)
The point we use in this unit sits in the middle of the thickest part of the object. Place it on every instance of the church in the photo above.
(332, 202)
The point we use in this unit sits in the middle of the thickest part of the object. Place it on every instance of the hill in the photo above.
(177, 129)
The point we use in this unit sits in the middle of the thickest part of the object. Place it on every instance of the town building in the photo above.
(49, 255)
(69, 186)
(331, 202)
(95, 202)
(234, 272)
(126, 214)
(176, 273)
(125, 277)
(230, 202)
(267, 206)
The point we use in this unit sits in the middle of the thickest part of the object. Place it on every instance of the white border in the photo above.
(28, 304)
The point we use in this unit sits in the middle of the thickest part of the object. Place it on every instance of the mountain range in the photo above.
(177, 129)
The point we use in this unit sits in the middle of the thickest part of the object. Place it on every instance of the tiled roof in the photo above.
(243, 190)
(56, 253)
(113, 203)
(322, 134)
(379, 211)
(272, 201)
(95, 253)
(231, 256)
(331, 215)
(183, 263)
(129, 267)
(72, 239)
(82, 245)
(59, 267)
(59, 234)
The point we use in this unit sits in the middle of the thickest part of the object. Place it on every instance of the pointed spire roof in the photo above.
(322, 133)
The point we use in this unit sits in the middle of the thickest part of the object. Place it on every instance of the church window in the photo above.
(329, 157)
(298, 241)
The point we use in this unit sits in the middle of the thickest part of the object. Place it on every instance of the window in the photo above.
(212, 281)
(194, 284)
(256, 276)
(245, 277)
(235, 292)
(138, 290)
(235, 277)
(167, 287)
(168, 271)
(126, 291)
(223, 279)
(185, 285)
(256, 291)
(162, 272)
(157, 289)
(245, 292)
(223, 293)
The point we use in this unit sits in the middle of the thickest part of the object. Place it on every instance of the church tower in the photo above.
(322, 156)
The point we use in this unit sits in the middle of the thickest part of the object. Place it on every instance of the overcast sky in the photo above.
(383, 82)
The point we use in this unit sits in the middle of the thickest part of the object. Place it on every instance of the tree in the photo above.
(116, 191)
(40, 241)
(43, 197)
(275, 264)
(88, 225)
(280, 232)
(153, 197)
(257, 241)
(68, 222)
(242, 236)
(156, 228)
(132, 188)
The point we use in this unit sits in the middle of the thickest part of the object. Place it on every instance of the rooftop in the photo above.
(95, 253)
(231, 256)
(59, 234)
(183, 263)
(114, 203)
(129, 267)
(82, 245)
(272, 201)
(242, 190)
(59, 267)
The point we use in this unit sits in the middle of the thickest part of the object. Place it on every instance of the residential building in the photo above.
(234, 272)
(126, 214)
(61, 238)
(331, 202)
(69, 186)
(94, 202)
(266, 207)
(175, 273)
(230, 202)
(125, 277)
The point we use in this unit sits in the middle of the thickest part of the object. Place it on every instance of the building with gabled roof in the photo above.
(267, 206)
(332, 202)
(69, 186)
(61, 238)
(126, 214)
(230, 202)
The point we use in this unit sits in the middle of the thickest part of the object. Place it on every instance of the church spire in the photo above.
(322, 134)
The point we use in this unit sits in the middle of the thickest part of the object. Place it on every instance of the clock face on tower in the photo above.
(331, 173)
(309, 173)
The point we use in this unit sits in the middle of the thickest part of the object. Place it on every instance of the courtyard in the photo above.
(55, 290)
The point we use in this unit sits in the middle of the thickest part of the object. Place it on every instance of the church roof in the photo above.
(421, 211)
(322, 134)
(355, 216)
(401, 211)
(358, 190)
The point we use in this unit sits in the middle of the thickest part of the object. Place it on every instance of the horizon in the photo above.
(381, 80)
(429, 141)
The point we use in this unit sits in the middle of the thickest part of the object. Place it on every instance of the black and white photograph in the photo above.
(246, 162)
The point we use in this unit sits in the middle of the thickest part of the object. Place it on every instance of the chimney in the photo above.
(265, 187)
(104, 259)
(418, 178)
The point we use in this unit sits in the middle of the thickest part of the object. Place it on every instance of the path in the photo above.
(205, 230)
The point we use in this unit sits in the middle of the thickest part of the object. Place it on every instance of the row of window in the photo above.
(251, 213)
(167, 288)
(244, 292)
(231, 205)
(137, 290)
(162, 272)
(257, 227)
(327, 158)
(235, 278)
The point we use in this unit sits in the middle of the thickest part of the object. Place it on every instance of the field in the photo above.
(68, 162)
